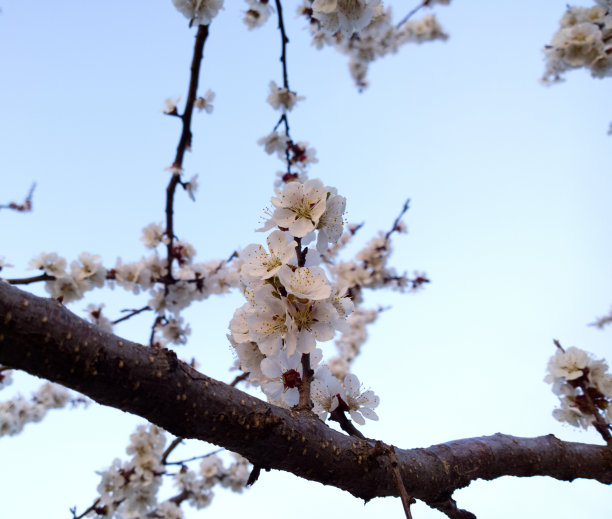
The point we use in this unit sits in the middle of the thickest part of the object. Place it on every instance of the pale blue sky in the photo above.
(510, 217)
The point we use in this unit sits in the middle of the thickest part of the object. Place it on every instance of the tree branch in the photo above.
(42, 337)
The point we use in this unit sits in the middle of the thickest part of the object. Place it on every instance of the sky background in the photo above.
(510, 218)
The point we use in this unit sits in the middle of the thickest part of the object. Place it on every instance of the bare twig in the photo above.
(32, 279)
(89, 509)
(395, 227)
(23, 207)
(131, 314)
(201, 456)
(406, 499)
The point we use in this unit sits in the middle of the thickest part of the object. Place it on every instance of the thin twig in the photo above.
(346, 425)
(131, 314)
(201, 456)
(91, 507)
(239, 378)
(25, 206)
(184, 143)
(283, 59)
(406, 499)
(33, 279)
(412, 13)
(170, 448)
(395, 226)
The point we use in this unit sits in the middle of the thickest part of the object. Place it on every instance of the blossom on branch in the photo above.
(200, 12)
(281, 98)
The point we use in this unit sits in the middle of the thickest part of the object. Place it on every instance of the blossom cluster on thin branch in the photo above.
(364, 30)
(16, 412)
(584, 387)
(583, 40)
(129, 489)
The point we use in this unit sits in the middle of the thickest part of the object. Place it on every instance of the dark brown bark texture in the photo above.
(42, 337)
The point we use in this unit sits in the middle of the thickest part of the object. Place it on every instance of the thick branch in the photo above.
(42, 337)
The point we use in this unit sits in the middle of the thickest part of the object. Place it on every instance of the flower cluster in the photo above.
(583, 385)
(367, 32)
(128, 489)
(17, 412)
(197, 486)
(329, 395)
(291, 304)
(85, 274)
(345, 16)
(584, 39)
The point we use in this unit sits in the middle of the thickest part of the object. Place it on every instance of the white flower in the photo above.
(211, 467)
(152, 235)
(324, 392)
(282, 98)
(283, 378)
(168, 510)
(298, 207)
(268, 323)
(274, 142)
(184, 252)
(170, 105)
(331, 223)
(258, 264)
(205, 103)
(66, 287)
(94, 312)
(89, 270)
(359, 404)
(239, 326)
(173, 331)
(192, 187)
(131, 275)
(347, 16)
(313, 320)
(568, 364)
(258, 13)
(50, 263)
(305, 282)
(237, 474)
(199, 11)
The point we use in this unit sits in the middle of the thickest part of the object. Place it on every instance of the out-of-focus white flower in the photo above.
(152, 235)
(94, 313)
(199, 11)
(282, 99)
(258, 13)
(274, 142)
(50, 263)
(170, 105)
(89, 269)
(346, 16)
(331, 223)
(192, 187)
(205, 102)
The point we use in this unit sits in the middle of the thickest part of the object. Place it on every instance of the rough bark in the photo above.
(42, 337)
